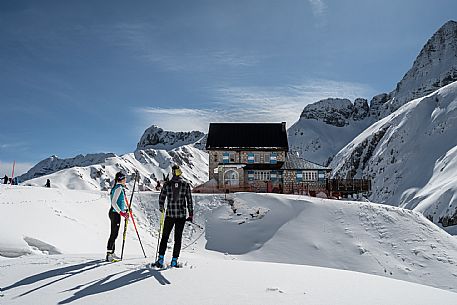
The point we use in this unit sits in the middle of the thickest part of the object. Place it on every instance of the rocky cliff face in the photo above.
(408, 156)
(434, 67)
(156, 138)
(336, 112)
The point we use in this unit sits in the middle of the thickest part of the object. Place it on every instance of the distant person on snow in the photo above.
(118, 208)
(48, 183)
(177, 191)
(5, 179)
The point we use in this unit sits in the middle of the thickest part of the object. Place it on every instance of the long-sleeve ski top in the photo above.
(177, 192)
(118, 198)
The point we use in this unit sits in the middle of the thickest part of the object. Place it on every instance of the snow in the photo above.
(151, 164)
(250, 249)
(412, 163)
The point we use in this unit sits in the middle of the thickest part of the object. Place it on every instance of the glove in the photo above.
(190, 218)
(124, 214)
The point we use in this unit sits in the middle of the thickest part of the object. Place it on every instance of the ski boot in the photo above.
(159, 262)
(174, 262)
(111, 257)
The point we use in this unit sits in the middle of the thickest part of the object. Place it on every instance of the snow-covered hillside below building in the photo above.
(95, 172)
(409, 155)
(274, 249)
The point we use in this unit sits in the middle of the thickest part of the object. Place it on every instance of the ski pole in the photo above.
(160, 232)
(123, 237)
(133, 220)
(136, 230)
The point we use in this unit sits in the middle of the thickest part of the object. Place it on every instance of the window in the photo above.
(232, 157)
(215, 158)
(262, 175)
(251, 158)
(256, 158)
(273, 158)
(225, 158)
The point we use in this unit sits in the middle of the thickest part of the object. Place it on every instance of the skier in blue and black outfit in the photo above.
(177, 191)
(117, 209)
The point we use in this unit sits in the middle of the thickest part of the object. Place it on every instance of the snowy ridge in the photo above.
(54, 164)
(293, 232)
(151, 164)
(319, 141)
(156, 138)
(434, 67)
(408, 154)
(158, 151)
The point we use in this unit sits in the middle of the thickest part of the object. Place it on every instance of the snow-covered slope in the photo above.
(327, 126)
(341, 121)
(54, 164)
(157, 151)
(434, 67)
(64, 233)
(364, 237)
(152, 164)
(409, 155)
(156, 138)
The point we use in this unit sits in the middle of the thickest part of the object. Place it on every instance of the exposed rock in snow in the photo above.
(54, 164)
(327, 126)
(337, 112)
(156, 138)
(409, 154)
(435, 67)
(95, 172)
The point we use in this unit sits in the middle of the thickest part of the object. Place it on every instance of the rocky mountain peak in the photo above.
(336, 111)
(157, 138)
(434, 67)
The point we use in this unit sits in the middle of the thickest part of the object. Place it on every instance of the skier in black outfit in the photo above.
(177, 191)
(5, 179)
(48, 183)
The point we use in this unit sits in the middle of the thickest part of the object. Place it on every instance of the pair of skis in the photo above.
(130, 212)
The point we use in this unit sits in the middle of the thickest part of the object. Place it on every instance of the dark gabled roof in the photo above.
(293, 162)
(247, 135)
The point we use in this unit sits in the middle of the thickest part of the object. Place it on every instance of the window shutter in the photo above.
(273, 158)
(274, 176)
(250, 158)
(226, 158)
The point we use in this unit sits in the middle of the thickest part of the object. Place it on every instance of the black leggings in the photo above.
(178, 223)
(115, 224)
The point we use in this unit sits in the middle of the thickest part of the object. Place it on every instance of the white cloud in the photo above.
(140, 39)
(252, 104)
(319, 9)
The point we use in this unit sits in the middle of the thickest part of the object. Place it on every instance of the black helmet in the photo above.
(119, 176)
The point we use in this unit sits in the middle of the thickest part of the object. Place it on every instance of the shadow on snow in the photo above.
(106, 284)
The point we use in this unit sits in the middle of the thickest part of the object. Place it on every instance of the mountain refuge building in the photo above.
(255, 157)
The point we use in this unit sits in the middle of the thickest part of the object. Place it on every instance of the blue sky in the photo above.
(91, 76)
